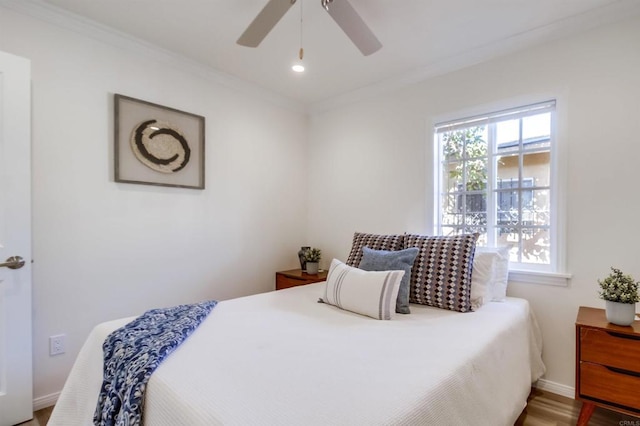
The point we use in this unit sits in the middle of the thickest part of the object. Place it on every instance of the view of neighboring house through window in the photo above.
(494, 178)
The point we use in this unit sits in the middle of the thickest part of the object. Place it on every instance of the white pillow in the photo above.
(481, 275)
(490, 275)
(370, 293)
(500, 278)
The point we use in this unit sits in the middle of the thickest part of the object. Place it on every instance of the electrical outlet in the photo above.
(56, 344)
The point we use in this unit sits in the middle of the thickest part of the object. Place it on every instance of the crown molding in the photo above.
(593, 18)
(48, 13)
(562, 28)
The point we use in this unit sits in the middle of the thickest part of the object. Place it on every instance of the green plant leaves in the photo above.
(619, 287)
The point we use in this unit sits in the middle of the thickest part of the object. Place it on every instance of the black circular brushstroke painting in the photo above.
(160, 146)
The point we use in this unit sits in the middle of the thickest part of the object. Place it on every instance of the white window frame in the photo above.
(554, 273)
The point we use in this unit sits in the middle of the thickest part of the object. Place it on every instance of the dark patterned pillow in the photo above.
(441, 274)
(373, 241)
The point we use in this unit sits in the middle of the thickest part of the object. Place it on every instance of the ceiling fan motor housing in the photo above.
(325, 4)
(342, 13)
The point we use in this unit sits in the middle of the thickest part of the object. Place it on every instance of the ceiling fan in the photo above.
(340, 10)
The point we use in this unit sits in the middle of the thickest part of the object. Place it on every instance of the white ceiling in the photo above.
(420, 37)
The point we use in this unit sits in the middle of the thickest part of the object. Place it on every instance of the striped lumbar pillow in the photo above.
(370, 293)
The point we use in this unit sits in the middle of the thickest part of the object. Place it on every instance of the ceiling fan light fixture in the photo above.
(298, 66)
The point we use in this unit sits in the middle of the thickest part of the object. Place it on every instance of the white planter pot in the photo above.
(620, 313)
(312, 268)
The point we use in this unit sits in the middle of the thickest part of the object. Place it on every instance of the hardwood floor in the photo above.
(543, 409)
(40, 418)
(548, 409)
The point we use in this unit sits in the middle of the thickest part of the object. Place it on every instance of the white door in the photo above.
(16, 388)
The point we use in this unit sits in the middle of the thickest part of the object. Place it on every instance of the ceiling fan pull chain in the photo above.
(301, 53)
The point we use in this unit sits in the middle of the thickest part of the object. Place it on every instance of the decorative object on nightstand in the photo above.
(301, 252)
(296, 277)
(620, 293)
(312, 257)
(607, 367)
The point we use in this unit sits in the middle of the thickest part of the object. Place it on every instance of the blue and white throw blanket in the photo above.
(133, 352)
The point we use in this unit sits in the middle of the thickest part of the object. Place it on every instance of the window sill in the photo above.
(535, 277)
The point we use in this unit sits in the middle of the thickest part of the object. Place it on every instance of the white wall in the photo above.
(104, 250)
(371, 163)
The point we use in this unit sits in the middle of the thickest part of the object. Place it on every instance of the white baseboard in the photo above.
(557, 388)
(45, 401)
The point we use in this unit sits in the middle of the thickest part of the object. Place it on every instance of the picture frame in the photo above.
(157, 145)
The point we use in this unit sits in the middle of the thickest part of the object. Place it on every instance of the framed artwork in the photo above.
(157, 145)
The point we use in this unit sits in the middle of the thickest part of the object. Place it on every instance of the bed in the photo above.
(281, 358)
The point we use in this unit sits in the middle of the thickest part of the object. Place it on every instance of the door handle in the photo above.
(14, 262)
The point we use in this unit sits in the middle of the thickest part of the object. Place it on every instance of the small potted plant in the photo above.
(312, 257)
(620, 293)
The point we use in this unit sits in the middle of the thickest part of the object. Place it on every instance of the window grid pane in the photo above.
(464, 174)
(497, 182)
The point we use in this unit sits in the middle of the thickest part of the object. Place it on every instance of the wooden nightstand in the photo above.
(295, 277)
(607, 364)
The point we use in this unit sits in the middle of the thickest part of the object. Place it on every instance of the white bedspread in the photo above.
(280, 358)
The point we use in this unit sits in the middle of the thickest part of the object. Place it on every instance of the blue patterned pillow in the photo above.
(383, 260)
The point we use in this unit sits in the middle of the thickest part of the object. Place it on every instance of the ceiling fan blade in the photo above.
(268, 17)
(354, 27)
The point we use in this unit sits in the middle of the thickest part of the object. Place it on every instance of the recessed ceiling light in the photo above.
(298, 68)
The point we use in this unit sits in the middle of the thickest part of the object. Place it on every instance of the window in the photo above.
(494, 177)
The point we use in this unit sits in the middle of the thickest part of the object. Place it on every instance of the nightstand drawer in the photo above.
(283, 282)
(610, 348)
(604, 384)
(296, 277)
